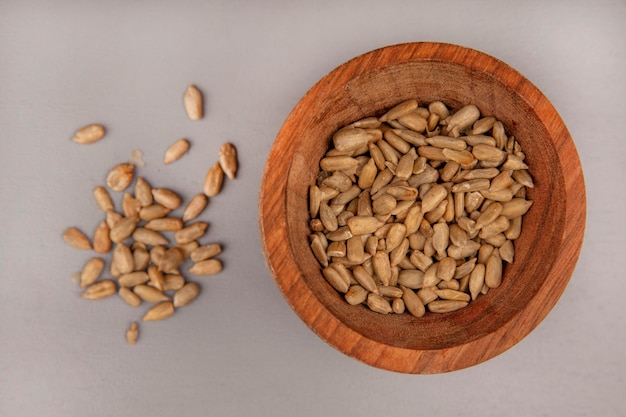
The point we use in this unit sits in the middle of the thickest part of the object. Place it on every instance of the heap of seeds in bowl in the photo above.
(416, 210)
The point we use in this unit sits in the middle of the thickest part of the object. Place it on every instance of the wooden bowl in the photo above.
(545, 253)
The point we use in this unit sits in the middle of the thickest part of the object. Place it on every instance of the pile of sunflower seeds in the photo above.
(417, 209)
(145, 263)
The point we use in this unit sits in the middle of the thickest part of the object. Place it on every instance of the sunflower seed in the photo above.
(103, 199)
(166, 198)
(446, 306)
(493, 270)
(91, 271)
(399, 110)
(76, 239)
(165, 224)
(89, 134)
(187, 248)
(99, 290)
(335, 279)
(173, 282)
(149, 294)
(192, 232)
(143, 192)
(101, 239)
(123, 228)
(206, 267)
(160, 311)
(154, 211)
(186, 295)
(129, 297)
(130, 205)
(149, 237)
(213, 180)
(193, 102)
(228, 160)
(175, 151)
(172, 259)
(378, 304)
(120, 177)
(133, 278)
(157, 280)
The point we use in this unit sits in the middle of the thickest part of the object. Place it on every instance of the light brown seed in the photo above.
(523, 177)
(157, 280)
(149, 237)
(355, 250)
(187, 248)
(441, 236)
(433, 197)
(101, 239)
(213, 180)
(120, 177)
(173, 282)
(206, 252)
(378, 304)
(413, 121)
(449, 294)
(493, 271)
(91, 271)
(172, 259)
(483, 125)
(335, 279)
(141, 258)
(488, 153)
(488, 215)
(390, 291)
(89, 134)
(156, 254)
(397, 305)
(133, 278)
(113, 218)
(154, 211)
(143, 192)
(515, 208)
(360, 225)
(514, 162)
(166, 198)
(465, 268)
(328, 217)
(462, 119)
(446, 306)
(498, 226)
(99, 290)
(399, 110)
(132, 333)
(123, 228)
(160, 311)
(507, 251)
(319, 251)
(76, 239)
(149, 294)
(103, 199)
(175, 151)
(186, 295)
(190, 233)
(193, 102)
(447, 142)
(165, 224)
(501, 181)
(382, 266)
(471, 185)
(206, 267)
(195, 207)
(130, 205)
(412, 302)
(364, 278)
(476, 280)
(420, 260)
(356, 295)
(129, 297)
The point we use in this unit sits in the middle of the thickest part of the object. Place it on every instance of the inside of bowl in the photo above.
(535, 250)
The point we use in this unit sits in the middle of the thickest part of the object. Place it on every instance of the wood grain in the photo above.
(546, 252)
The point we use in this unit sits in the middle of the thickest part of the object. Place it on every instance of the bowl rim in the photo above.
(273, 223)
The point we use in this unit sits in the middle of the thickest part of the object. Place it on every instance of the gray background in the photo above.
(239, 349)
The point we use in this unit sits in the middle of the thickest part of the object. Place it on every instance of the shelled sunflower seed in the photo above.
(416, 210)
(145, 265)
